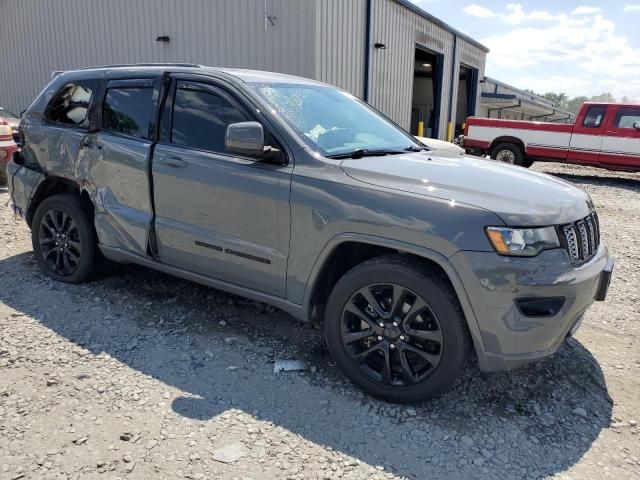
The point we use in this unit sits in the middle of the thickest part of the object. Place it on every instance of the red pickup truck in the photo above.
(604, 135)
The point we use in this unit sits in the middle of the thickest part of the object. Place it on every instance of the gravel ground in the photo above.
(141, 375)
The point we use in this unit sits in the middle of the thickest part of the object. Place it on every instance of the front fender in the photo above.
(417, 250)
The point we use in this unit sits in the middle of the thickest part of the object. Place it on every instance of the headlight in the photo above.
(522, 242)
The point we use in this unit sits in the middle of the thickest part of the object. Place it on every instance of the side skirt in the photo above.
(121, 256)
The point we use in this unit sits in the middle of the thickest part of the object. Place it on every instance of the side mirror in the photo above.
(636, 125)
(245, 138)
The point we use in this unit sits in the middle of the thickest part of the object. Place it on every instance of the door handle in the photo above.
(174, 162)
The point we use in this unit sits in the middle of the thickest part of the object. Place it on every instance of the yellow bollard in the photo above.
(450, 132)
(421, 129)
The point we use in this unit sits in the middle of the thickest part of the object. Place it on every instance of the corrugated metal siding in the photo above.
(471, 56)
(401, 29)
(340, 43)
(40, 36)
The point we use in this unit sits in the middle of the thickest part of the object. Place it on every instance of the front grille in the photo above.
(581, 239)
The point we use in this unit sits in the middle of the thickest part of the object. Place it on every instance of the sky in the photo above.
(576, 47)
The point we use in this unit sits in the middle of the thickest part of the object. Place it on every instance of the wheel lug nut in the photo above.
(392, 346)
(379, 338)
(395, 324)
(381, 325)
(402, 337)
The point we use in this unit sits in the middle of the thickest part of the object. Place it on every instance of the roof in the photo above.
(244, 75)
(413, 7)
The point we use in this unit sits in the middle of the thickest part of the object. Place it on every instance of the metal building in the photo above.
(499, 100)
(419, 71)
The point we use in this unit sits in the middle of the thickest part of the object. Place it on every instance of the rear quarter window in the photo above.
(71, 104)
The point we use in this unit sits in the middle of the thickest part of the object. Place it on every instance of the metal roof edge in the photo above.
(416, 9)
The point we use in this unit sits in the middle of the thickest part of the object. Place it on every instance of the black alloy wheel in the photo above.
(391, 334)
(60, 243)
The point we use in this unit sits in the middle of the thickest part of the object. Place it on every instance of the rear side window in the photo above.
(70, 106)
(627, 116)
(201, 117)
(130, 111)
(594, 117)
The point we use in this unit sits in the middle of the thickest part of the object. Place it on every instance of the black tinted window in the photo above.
(129, 110)
(70, 105)
(200, 119)
(627, 116)
(594, 116)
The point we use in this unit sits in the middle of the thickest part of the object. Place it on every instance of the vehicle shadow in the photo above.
(512, 425)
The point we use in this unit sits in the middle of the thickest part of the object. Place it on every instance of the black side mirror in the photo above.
(636, 125)
(245, 138)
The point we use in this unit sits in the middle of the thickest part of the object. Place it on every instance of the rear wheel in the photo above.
(63, 238)
(3, 173)
(510, 153)
(396, 330)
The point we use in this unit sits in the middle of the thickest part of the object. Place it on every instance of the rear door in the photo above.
(117, 162)
(588, 134)
(621, 145)
(218, 214)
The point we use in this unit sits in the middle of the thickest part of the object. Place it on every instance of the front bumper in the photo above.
(494, 283)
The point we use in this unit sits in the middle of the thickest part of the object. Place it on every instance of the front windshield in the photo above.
(4, 113)
(331, 121)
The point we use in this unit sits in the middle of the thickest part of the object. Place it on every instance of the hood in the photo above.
(520, 197)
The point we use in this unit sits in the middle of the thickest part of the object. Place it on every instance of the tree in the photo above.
(574, 104)
(558, 99)
(603, 97)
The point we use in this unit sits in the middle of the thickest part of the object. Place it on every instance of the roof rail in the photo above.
(123, 65)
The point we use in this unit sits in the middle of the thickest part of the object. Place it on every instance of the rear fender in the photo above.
(23, 183)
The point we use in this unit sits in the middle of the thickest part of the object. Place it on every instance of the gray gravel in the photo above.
(140, 375)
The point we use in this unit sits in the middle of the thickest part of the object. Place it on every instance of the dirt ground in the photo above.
(141, 375)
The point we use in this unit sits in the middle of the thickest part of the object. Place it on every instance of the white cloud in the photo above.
(582, 10)
(632, 8)
(479, 11)
(598, 58)
(516, 15)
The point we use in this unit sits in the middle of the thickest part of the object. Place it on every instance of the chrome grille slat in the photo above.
(581, 239)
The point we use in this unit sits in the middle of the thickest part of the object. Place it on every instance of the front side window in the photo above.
(331, 121)
(129, 111)
(627, 116)
(201, 118)
(594, 116)
(70, 106)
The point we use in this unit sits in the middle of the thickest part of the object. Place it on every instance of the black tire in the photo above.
(3, 174)
(443, 317)
(510, 153)
(59, 219)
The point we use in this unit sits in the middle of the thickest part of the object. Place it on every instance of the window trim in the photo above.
(124, 85)
(95, 90)
(208, 85)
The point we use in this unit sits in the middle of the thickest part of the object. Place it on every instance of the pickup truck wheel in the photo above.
(396, 329)
(3, 173)
(63, 239)
(509, 153)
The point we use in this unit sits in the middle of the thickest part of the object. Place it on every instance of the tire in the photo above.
(510, 153)
(58, 219)
(433, 364)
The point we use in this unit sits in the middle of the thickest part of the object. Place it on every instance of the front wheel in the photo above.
(396, 329)
(63, 238)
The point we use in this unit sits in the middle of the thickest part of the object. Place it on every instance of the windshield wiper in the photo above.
(415, 148)
(363, 152)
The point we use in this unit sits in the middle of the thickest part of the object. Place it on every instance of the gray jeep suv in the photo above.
(297, 194)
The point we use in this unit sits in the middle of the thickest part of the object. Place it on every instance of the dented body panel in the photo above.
(267, 230)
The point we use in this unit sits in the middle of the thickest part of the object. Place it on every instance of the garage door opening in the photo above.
(427, 89)
(467, 93)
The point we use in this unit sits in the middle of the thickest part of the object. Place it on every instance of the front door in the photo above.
(218, 214)
(621, 144)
